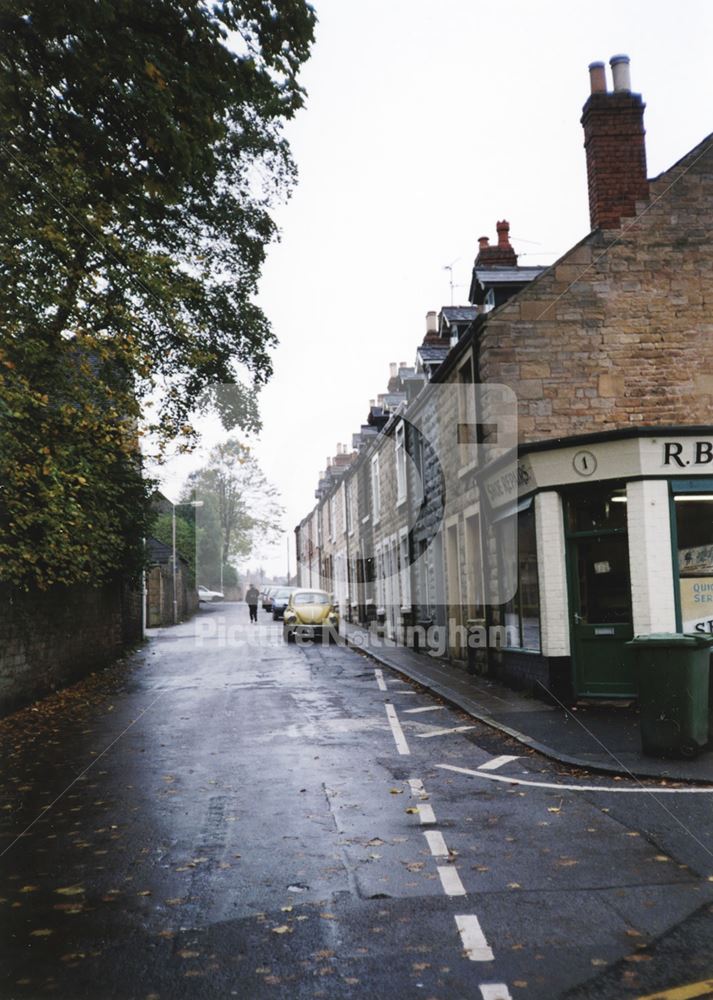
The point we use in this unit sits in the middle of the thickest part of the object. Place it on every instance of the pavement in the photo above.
(596, 736)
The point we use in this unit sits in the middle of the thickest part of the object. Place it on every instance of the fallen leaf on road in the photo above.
(187, 953)
(175, 902)
(412, 809)
(144, 892)
(396, 791)
(29, 888)
(71, 890)
(514, 885)
(282, 929)
(327, 916)
(638, 958)
(598, 961)
(661, 857)
(42, 932)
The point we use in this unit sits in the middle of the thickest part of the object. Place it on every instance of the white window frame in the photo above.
(348, 514)
(400, 456)
(331, 518)
(404, 571)
(375, 488)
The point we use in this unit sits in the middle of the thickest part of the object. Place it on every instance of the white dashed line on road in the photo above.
(475, 946)
(399, 738)
(381, 684)
(496, 762)
(425, 812)
(450, 880)
(428, 708)
(445, 732)
(553, 786)
(436, 843)
(495, 991)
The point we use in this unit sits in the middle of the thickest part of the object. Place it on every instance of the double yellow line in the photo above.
(694, 991)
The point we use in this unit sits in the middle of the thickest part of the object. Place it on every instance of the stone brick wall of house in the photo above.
(427, 506)
(51, 639)
(618, 332)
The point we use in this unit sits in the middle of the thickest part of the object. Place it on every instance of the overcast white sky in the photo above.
(427, 121)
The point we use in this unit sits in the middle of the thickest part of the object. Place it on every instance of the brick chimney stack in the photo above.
(501, 255)
(614, 143)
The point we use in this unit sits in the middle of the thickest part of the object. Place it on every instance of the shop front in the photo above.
(615, 539)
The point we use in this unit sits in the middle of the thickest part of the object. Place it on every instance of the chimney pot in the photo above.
(392, 369)
(503, 229)
(372, 402)
(483, 242)
(432, 322)
(621, 74)
(597, 78)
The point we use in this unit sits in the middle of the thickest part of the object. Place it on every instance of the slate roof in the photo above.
(459, 314)
(159, 553)
(506, 275)
(433, 353)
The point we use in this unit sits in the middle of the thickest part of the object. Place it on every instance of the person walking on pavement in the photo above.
(252, 597)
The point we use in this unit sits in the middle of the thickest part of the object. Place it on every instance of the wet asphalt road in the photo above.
(226, 816)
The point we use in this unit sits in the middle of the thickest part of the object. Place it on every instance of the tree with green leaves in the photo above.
(141, 149)
(240, 507)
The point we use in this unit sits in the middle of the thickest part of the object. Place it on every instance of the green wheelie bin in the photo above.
(672, 674)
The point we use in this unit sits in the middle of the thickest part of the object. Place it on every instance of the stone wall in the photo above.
(159, 594)
(50, 639)
(618, 332)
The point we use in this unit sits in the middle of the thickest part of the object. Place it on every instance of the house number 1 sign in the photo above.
(584, 463)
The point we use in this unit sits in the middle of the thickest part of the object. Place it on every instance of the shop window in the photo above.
(694, 532)
(522, 611)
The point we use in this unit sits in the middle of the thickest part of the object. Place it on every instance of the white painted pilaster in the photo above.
(552, 574)
(650, 559)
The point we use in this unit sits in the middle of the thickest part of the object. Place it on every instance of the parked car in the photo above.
(279, 601)
(310, 614)
(209, 595)
(267, 598)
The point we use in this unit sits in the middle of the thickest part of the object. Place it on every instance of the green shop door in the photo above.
(600, 595)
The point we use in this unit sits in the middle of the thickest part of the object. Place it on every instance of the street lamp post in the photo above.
(189, 503)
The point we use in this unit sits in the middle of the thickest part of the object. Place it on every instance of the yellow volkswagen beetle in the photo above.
(310, 614)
